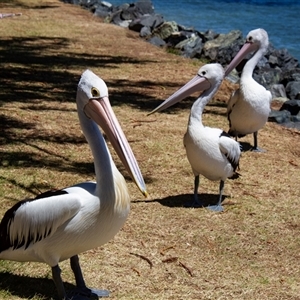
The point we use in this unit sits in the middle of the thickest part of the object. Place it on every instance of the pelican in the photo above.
(249, 106)
(210, 151)
(57, 226)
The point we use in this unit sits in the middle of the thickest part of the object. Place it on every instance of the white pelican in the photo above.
(249, 106)
(210, 151)
(52, 228)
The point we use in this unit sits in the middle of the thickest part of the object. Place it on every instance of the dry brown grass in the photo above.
(164, 251)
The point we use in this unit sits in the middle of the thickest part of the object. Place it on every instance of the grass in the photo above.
(164, 251)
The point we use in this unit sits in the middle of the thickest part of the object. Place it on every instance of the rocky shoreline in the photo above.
(278, 71)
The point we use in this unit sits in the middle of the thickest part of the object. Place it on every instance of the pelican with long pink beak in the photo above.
(210, 151)
(59, 225)
(249, 106)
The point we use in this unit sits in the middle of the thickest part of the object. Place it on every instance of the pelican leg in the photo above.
(255, 148)
(218, 207)
(81, 286)
(196, 202)
(58, 282)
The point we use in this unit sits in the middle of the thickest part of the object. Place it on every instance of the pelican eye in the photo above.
(95, 92)
(203, 73)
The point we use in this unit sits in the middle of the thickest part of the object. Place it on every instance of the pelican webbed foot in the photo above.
(216, 208)
(257, 149)
(82, 289)
(100, 293)
(87, 294)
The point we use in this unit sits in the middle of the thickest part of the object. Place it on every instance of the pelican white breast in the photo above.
(60, 225)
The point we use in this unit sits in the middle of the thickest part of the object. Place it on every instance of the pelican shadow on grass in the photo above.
(25, 287)
(184, 200)
(59, 225)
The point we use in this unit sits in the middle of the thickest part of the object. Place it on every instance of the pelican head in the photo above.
(92, 99)
(256, 39)
(208, 76)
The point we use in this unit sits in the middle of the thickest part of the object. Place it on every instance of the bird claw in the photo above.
(100, 293)
(257, 149)
(216, 208)
(87, 294)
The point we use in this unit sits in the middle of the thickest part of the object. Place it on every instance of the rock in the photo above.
(290, 75)
(280, 99)
(157, 41)
(290, 124)
(149, 21)
(75, 2)
(293, 89)
(131, 13)
(209, 35)
(284, 60)
(278, 91)
(295, 118)
(267, 76)
(279, 116)
(145, 7)
(145, 32)
(292, 106)
(103, 10)
(87, 4)
(192, 47)
(175, 38)
(165, 30)
(223, 48)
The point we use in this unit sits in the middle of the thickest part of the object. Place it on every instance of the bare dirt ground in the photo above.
(165, 250)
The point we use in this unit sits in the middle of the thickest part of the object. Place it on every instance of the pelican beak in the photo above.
(244, 51)
(100, 110)
(196, 84)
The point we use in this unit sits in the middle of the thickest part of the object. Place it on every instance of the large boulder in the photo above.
(293, 89)
(149, 21)
(292, 106)
(223, 48)
(191, 47)
(103, 9)
(165, 30)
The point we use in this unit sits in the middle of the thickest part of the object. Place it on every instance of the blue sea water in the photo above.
(279, 18)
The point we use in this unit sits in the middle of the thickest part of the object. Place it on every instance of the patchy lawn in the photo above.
(165, 250)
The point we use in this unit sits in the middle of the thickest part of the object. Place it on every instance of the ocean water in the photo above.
(279, 18)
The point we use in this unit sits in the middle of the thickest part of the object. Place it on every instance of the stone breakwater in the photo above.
(277, 71)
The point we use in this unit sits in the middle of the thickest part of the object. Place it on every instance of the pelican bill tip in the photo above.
(152, 112)
(145, 193)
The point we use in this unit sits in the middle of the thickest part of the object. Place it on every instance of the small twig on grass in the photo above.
(143, 257)
(139, 122)
(170, 259)
(293, 163)
(210, 244)
(175, 259)
(250, 194)
(145, 121)
(162, 252)
(186, 268)
(136, 271)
